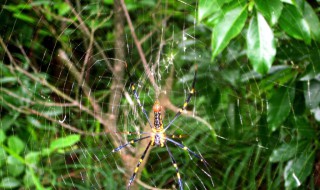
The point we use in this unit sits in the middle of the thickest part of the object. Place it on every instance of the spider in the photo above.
(158, 135)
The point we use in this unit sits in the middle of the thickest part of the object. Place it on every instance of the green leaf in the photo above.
(207, 8)
(3, 156)
(24, 17)
(279, 106)
(305, 129)
(4, 80)
(294, 24)
(62, 8)
(8, 120)
(270, 9)
(9, 183)
(64, 142)
(2, 136)
(27, 180)
(34, 122)
(312, 93)
(289, 1)
(312, 20)
(14, 166)
(297, 170)
(15, 144)
(228, 28)
(261, 44)
(287, 151)
(55, 111)
(32, 158)
(30, 173)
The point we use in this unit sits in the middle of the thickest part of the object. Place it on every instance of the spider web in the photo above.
(59, 100)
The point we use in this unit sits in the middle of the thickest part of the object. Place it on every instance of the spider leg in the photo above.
(186, 102)
(137, 167)
(173, 136)
(174, 163)
(136, 96)
(130, 142)
(190, 151)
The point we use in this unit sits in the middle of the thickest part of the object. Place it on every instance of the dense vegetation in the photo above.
(66, 101)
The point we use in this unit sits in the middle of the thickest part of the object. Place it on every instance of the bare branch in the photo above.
(138, 45)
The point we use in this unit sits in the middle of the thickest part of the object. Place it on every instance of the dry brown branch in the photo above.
(150, 75)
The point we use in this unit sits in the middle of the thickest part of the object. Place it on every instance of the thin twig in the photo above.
(138, 45)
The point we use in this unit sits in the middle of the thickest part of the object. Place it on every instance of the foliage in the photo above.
(255, 116)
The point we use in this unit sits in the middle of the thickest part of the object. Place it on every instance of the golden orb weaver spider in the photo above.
(158, 135)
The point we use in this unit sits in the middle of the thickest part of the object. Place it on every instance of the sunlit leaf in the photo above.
(289, 1)
(8, 120)
(15, 144)
(62, 8)
(9, 183)
(32, 158)
(24, 17)
(297, 170)
(228, 28)
(261, 44)
(294, 24)
(3, 156)
(14, 166)
(33, 121)
(208, 7)
(270, 9)
(312, 20)
(279, 106)
(2, 136)
(312, 93)
(8, 80)
(64, 142)
(286, 151)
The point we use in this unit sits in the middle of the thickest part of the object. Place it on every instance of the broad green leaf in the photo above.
(316, 113)
(3, 157)
(228, 28)
(34, 122)
(261, 44)
(64, 142)
(289, 1)
(279, 106)
(35, 181)
(304, 128)
(9, 183)
(270, 9)
(4, 80)
(312, 94)
(55, 111)
(287, 151)
(62, 8)
(14, 166)
(208, 7)
(2, 136)
(8, 120)
(294, 24)
(24, 17)
(297, 170)
(46, 152)
(27, 180)
(312, 20)
(18, 8)
(15, 144)
(32, 158)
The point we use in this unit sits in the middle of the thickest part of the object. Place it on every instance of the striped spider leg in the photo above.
(158, 136)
